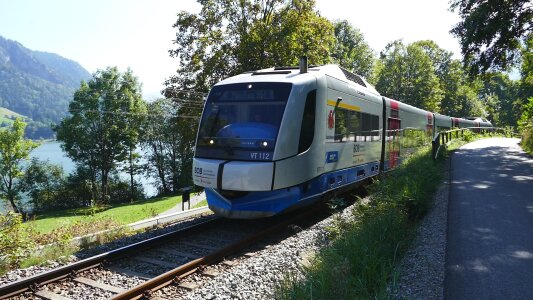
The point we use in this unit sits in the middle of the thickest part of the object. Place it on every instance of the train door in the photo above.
(393, 138)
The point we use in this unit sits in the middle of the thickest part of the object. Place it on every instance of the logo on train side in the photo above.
(331, 119)
(332, 156)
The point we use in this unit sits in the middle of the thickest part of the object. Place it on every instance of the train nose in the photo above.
(233, 175)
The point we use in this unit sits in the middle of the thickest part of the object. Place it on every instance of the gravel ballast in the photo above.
(420, 273)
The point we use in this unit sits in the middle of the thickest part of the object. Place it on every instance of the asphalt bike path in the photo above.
(489, 253)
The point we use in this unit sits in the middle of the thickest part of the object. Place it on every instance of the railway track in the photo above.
(141, 269)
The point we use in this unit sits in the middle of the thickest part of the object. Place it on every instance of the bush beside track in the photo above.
(19, 241)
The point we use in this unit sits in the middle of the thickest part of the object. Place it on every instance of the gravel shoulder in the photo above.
(421, 272)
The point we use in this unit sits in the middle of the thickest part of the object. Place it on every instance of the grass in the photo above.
(360, 261)
(7, 116)
(19, 241)
(53, 253)
(527, 139)
(200, 204)
(121, 213)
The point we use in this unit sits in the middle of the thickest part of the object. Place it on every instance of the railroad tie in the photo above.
(159, 263)
(179, 253)
(128, 272)
(50, 295)
(206, 247)
(99, 285)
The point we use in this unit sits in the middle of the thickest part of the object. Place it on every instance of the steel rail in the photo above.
(23, 285)
(175, 275)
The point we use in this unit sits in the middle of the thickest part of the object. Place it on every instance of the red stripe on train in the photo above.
(394, 104)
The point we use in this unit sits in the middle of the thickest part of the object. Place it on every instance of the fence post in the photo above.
(185, 197)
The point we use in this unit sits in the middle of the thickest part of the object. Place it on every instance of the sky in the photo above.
(137, 34)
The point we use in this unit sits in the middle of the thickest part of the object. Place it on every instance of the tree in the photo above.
(98, 134)
(14, 149)
(230, 37)
(461, 95)
(503, 94)
(153, 142)
(43, 182)
(408, 74)
(168, 137)
(351, 51)
(491, 31)
(134, 119)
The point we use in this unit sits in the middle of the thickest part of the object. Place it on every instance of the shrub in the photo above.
(527, 138)
(43, 182)
(468, 136)
(16, 240)
(360, 261)
(62, 235)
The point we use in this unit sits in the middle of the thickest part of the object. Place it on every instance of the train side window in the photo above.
(355, 126)
(307, 131)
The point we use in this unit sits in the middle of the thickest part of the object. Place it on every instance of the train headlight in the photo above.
(211, 142)
(264, 144)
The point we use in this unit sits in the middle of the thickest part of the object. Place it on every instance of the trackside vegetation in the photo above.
(360, 261)
(20, 241)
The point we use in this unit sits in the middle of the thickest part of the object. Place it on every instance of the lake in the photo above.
(52, 152)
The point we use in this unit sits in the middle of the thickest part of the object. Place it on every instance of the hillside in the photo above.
(7, 117)
(37, 84)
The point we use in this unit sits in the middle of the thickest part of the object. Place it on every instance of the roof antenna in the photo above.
(303, 64)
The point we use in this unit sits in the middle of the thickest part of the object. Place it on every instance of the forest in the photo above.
(109, 121)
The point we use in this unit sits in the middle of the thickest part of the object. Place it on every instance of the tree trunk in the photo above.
(174, 169)
(105, 185)
(13, 205)
(160, 167)
(132, 186)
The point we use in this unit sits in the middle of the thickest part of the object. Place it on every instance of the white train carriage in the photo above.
(281, 138)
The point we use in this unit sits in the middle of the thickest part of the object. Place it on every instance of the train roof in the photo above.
(292, 74)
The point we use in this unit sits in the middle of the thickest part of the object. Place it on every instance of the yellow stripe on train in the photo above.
(344, 105)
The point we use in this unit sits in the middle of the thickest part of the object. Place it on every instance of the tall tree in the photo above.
(408, 74)
(499, 91)
(491, 31)
(228, 37)
(351, 51)
(14, 149)
(97, 134)
(168, 137)
(134, 119)
(153, 142)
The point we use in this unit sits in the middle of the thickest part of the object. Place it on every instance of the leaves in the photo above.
(13, 150)
(490, 32)
(351, 51)
(408, 74)
(102, 128)
(229, 37)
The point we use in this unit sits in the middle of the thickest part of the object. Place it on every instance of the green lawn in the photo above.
(121, 213)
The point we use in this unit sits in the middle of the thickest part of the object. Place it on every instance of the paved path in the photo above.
(490, 222)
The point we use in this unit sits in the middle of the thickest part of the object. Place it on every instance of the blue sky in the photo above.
(139, 33)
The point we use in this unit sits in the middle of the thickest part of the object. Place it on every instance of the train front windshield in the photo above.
(241, 121)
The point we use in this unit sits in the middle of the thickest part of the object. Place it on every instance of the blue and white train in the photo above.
(281, 138)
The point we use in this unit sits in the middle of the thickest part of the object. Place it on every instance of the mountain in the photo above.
(38, 85)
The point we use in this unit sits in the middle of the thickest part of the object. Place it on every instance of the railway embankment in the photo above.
(290, 268)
